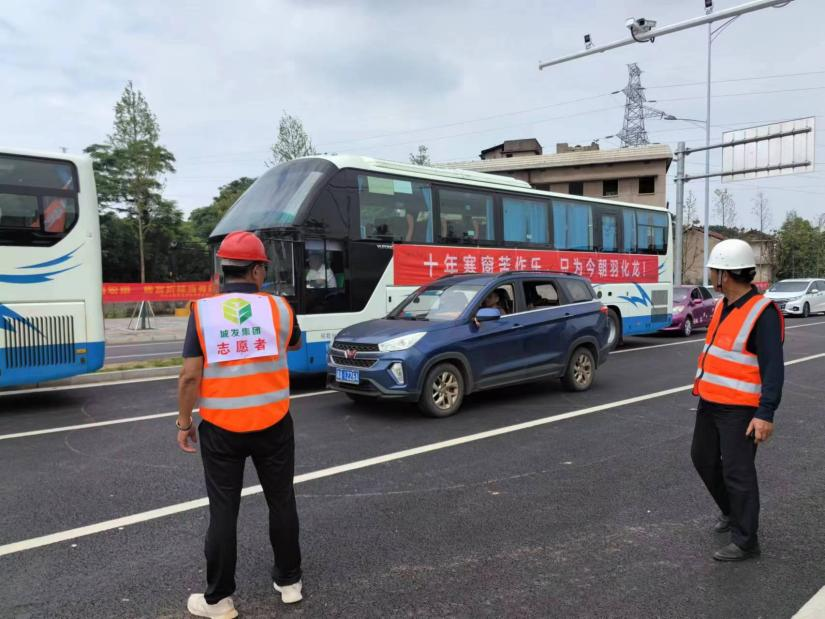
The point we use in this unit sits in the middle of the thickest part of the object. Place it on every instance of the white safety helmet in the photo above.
(732, 255)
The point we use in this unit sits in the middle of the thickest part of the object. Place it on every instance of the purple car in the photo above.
(692, 308)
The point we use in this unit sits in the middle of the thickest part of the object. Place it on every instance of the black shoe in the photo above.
(732, 552)
(722, 524)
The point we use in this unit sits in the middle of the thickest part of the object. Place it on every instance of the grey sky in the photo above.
(379, 77)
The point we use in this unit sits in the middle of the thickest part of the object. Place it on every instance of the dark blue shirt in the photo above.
(192, 344)
(765, 341)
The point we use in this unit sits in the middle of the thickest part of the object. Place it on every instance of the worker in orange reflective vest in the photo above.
(739, 383)
(235, 363)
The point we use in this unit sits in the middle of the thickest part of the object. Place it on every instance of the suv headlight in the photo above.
(401, 343)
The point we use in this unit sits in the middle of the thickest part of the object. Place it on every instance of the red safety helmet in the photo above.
(242, 246)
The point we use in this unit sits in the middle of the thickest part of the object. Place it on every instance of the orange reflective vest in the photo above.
(246, 395)
(728, 373)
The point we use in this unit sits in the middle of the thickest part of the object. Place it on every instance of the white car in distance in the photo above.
(799, 297)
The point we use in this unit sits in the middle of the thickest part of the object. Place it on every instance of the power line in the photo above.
(738, 79)
(747, 94)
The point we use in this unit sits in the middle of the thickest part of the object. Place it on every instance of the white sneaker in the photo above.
(290, 594)
(225, 609)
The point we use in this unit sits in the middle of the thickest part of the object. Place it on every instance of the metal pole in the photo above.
(706, 236)
(680, 206)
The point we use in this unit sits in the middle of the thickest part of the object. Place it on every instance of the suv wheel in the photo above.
(615, 334)
(443, 391)
(580, 370)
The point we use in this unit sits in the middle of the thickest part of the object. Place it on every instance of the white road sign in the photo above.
(769, 150)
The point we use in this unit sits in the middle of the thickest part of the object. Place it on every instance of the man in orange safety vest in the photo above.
(739, 383)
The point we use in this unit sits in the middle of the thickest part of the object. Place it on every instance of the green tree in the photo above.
(130, 166)
(203, 220)
(423, 156)
(798, 244)
(293, 141)
(117, 239)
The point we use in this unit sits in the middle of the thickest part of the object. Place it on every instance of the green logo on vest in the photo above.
(237, 310)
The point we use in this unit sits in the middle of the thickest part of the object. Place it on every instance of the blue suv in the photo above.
(465, 333)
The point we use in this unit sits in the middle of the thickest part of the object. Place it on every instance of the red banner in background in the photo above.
(415, 265)
(177, 291)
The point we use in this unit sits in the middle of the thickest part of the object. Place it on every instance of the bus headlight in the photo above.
(397, 371)
(401, 343)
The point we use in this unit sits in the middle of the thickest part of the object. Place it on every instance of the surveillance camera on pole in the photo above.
(587, 42)
(640, 29)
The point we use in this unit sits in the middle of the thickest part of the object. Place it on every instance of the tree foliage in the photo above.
(422, 158)
(800, 248)
(203, 220)
(293, 141)
(725, 208)
(130, 167)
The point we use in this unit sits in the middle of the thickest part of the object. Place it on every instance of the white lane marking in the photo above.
(108, 525)
(145, 354)
(702, 339)
(112, 422)
(144, 380)
(814, 608)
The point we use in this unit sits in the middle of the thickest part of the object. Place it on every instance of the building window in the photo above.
(647, 184)
(610, 188)
(576, 189)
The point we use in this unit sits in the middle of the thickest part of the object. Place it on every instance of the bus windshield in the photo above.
(276, 197)
(437, 302)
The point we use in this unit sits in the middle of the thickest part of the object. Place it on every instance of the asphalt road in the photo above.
(124, 353)
(599, 514)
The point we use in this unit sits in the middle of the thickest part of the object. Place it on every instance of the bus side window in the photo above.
(397, 209)
(466, 216)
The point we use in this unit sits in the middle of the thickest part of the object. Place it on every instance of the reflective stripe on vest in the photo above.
(247, 395)
(727, 372)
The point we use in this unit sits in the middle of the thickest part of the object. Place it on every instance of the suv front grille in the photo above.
(355, 347)
(353, 363)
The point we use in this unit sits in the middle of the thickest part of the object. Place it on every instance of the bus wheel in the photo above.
(615, 335)
(443, 391)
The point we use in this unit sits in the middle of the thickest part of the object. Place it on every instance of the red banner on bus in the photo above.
(415, 265)
(177, 291)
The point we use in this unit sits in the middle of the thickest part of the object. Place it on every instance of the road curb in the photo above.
(119, 341)
(108, 377)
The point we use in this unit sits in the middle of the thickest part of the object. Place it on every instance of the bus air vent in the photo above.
(44, 341)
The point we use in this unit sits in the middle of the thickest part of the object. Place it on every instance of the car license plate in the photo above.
(353, 377)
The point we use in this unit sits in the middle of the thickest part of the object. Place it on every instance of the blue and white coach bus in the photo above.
(51, 318)
(351, 237)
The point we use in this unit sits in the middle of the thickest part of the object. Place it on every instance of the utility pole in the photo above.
(678, 249)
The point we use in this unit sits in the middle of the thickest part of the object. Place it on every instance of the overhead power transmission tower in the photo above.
(633, 131)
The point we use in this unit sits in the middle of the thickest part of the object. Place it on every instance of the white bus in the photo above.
(351, 237)
(51, 317)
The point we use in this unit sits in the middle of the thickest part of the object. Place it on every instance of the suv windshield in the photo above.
(789, 287)
(437, 302)
(276, 197)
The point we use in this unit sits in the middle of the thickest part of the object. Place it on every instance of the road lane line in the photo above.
(129, 381)
(814, 608)
(113, 422)
(154, 514)
(701, 339)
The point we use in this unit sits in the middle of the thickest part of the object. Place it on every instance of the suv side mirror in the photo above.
(486, 314)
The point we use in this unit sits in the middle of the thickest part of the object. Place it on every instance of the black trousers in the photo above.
(725, 460)
(273, 453)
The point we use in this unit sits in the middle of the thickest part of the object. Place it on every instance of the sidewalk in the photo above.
(166, 329)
